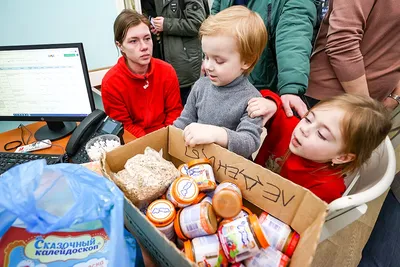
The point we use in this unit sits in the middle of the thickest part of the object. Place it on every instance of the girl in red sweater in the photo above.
(141, 92)
(333, 139)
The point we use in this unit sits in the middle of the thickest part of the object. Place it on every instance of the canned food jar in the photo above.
(268, 257)
(279, 235)
(162, 213)
(206, 251)
(183, 169)
(201, 171)
(195, 221)
(243, 213)
(227, 200)
(182, 192)
(202, 197)
(242, 238)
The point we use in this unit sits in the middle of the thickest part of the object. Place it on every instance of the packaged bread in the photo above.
(146, 177)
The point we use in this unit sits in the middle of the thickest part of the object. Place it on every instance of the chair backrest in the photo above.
(374, 179)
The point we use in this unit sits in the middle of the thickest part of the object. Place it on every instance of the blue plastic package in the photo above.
(61, 215)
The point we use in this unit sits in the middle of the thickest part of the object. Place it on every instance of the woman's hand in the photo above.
(259, 106)
(159, 23)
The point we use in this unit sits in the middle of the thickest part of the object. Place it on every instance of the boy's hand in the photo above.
(259, 106)
(200, 134)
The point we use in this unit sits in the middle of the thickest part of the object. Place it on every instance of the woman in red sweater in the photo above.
(141, 92)
(333, 139)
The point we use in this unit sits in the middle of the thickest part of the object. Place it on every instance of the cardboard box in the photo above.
(292, 204)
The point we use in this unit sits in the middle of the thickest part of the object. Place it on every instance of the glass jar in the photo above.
(268, 257)
(279, 235)
(161, 213)
(206, 251)
(195, 221)
(182, 192)
(201, 171)
(242, 238)
(227, 200)
(183, 169)
(243, 213)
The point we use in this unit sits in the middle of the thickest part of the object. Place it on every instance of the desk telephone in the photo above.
(95, 124)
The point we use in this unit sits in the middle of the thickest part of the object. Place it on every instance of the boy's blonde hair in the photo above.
(365, 125)
(246, 26)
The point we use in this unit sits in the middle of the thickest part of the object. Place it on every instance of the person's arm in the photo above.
(172, 99)
(390, 103)
(216, 7)
(114, 107)
(189, 25)
(293, 46)
(347, 22)
(189, 113)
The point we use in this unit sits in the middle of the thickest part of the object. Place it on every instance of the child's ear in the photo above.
(344, 158)
(245, 66)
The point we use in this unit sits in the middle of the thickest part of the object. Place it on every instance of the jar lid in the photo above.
(292, 243)
(199, 198)
(161, 212)
(211, 217)
(247, 210)
(177, 226)
(183, 169)
(258, 231)
(187, 245)
(198, 161)
(185, 190)
(227, 203)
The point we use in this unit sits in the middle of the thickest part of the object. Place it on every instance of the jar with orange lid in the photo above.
(268, 257)
(205, 251)
(183, 169)
(201, 171)
(202, 197)
(227, 200)
(243, 213)
(182, 192)
(279, 235)
(162, 214)
(195, 221)
(242, 238)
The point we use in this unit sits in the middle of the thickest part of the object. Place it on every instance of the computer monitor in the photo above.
(45, 83)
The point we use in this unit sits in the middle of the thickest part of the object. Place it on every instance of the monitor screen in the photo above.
(44, 82)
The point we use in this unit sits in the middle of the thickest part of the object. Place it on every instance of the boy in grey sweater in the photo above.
(215, 112)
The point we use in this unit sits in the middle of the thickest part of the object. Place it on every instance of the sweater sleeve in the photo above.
(114, 107)
(246, 139)
(293, 46)
(347, 22)
(274, 97)
(172, 99)
(189, 25)
(189, 113)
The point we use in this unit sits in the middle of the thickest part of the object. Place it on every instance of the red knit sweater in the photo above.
(142, 103)
(323, 181)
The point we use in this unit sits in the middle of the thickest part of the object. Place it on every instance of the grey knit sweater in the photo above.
(225, 106)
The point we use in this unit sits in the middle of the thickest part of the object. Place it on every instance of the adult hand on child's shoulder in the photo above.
(259, 106)
(290, 101)
(200, 134)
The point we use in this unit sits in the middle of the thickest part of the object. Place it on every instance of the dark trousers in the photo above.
(383, 246)
(185, 91)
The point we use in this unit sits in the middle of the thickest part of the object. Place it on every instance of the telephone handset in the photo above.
(95, 124)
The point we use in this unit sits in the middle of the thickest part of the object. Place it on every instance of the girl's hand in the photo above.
(259, 106)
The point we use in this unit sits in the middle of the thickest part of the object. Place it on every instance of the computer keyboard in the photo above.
(10, 159)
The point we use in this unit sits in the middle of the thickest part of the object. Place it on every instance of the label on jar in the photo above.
(268, 257)
(194, 221)
(237, 240)
(207, 199)
(184, 169)
(241, 214)
(203, 174)
(228, 185)
(168, 231)
(208, 252)
(275, 231)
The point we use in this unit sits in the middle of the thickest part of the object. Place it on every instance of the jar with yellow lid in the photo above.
(242, 238)
(201, 171)
(182, 192)
(279, 235)
(268, 257)
(162, 214)
(195, 221)
(183, 169)
(205, 251)
(227, 200)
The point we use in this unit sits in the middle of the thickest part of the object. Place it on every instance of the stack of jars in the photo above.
(213, 228)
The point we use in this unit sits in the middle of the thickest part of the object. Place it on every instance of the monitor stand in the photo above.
(55, 130)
